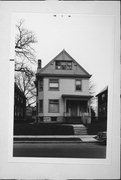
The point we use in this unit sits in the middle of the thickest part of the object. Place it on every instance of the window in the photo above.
(41, 85)
(103, 97)
(40, 106)
(78, 84)
(53, 106)
(69, 65)
(63, 65)
(53, 84)
(58, 65)
(53, 118)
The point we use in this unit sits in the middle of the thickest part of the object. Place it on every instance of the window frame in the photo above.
(62, 64)
(59, 62)
(41, 85)
(103, 97)
(41, 100)
(67, 65)
(54, 89)
(76, 84)
(49, 109)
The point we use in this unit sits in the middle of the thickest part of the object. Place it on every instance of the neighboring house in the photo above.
(31, 113)
(102, 98)
(63, 91)
(19, 104)
(34, 114)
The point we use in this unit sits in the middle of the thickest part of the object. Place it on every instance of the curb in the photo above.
(33, 142)
(55, 140)
(54, 136)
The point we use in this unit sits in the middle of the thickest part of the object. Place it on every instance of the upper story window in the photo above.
(41, 106)
(78, 85)
(54, 84)
(41, 85)
(63, 65)
(103, 97)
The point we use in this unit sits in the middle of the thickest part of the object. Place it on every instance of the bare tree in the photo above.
(24, 57)
(24, 50)
(92, 92)
(26, 84)
(91, 87)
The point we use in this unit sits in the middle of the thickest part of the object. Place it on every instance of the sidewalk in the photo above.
(57, 139)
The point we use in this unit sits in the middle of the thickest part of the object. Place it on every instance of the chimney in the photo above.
(39, 64)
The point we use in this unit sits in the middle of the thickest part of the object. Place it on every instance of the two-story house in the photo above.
(63, 91)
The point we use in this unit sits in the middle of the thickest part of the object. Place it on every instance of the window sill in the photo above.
(53, 112)
(53, 90)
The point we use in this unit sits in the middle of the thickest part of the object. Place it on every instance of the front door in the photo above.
(73, 107)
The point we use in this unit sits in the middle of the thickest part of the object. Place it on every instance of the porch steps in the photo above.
(79, 129)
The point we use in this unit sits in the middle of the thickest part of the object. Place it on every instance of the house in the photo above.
(19, 104)
(102, 99)
(63, 91)
(31, 113)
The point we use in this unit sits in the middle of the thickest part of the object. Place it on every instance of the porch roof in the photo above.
(81, 97)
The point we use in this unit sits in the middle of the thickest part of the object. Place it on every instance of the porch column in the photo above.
(89, 108)
(89, 118)
(65, 108)
(78, 110)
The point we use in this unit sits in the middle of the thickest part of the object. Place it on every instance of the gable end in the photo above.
(63, 64)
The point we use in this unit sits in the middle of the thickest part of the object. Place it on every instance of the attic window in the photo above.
(69, 65)
(63, 65)
(58, 65)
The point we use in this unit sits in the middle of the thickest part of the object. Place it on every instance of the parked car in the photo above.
(102, 137)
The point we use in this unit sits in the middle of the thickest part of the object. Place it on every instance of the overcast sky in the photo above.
(89, 39)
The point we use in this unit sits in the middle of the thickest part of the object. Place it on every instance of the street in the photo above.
(59, 149)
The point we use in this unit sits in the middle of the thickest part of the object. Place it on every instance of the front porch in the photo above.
(73, 109)
(77, 109)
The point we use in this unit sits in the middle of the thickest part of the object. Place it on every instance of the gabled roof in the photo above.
(103, 90)
(63, 56)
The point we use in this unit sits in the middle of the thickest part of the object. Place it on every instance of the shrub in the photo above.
(43, 129)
